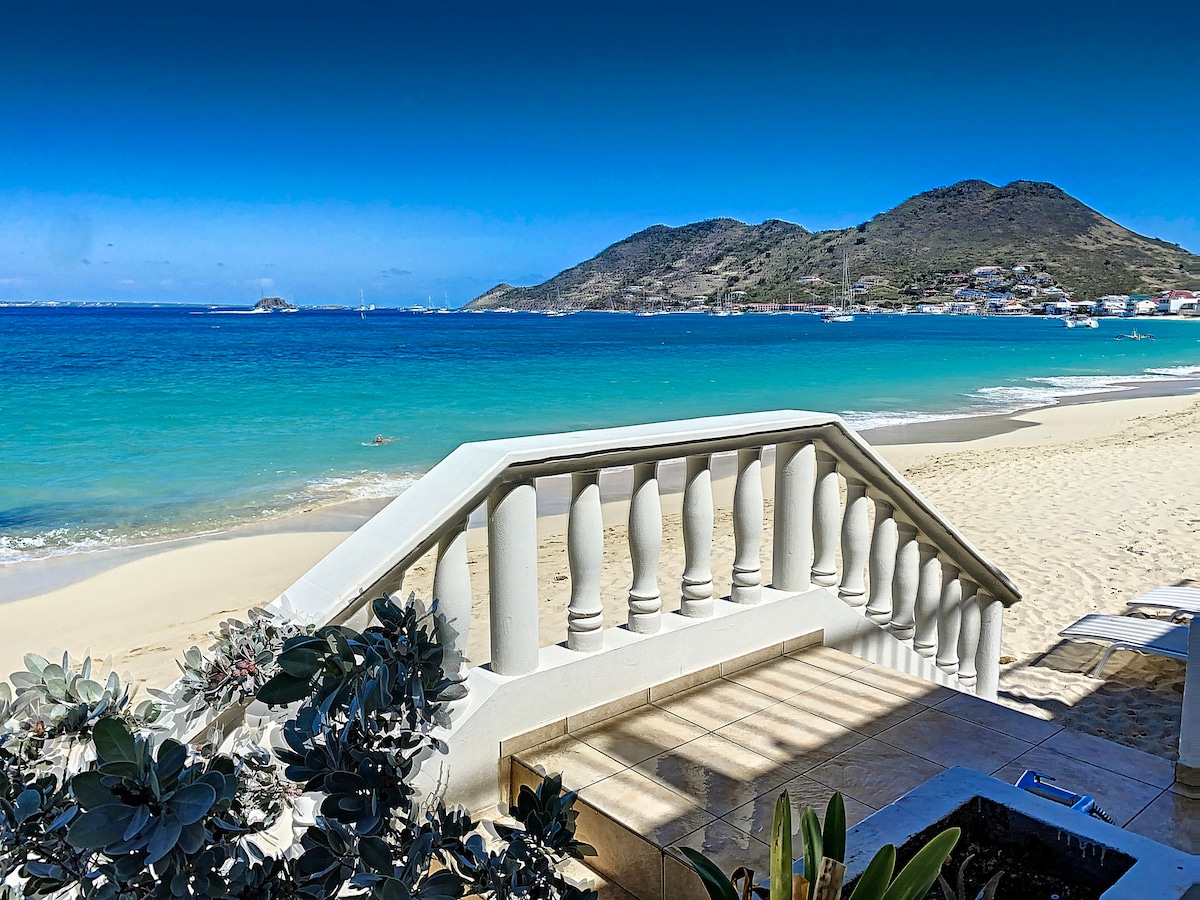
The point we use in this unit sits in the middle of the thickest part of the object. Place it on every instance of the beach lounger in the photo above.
(1180, 601)
(1127, 633)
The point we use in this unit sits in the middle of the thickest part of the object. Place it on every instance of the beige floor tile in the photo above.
(578, 763)
(829, 659)
(834, 661)
(622, 856)
(715, 774)
(640, 734)
(949, 741)
(856, 705)
(1170, 819)
(874, 773)
(724, 845)
(907, 686)
(757, 816)
(782, 678)
(1125, 761)
(998, 718)
(716, 704)
(646, 807)
(789, 735)
(1119, 796)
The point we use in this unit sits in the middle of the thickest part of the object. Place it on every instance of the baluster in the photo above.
(792, 552)
(987, 657)
(585, 556)
(748, 528)
(949, 619)
(512, 578)
(925, 611)
(904, 580)
(697, 585)
(968, 634)
(452, 591)
(856, 539)
(645, 545)
(883, 563)
(825, 521)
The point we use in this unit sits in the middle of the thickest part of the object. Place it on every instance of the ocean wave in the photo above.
(317, 494)
(862, 421)
(361, 486)
(1177, 371)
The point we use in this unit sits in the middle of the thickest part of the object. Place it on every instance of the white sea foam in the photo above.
(1177, 371)
(322, 493)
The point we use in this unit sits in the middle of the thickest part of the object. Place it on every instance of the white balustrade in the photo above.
(585, 557)
(968, 634)
(825, 521)
(882, 563)
(452, 592)
(645, 546)
(925, 610)
(748, 528)
(792, 553)
(905, 580)
(856, 542)
(987, 656)
(949, 619)
(696, 587)
(512, 578)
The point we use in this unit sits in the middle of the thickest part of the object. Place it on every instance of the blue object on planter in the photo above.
(1039, 784)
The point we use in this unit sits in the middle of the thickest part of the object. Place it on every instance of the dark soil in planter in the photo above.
(1039, 861)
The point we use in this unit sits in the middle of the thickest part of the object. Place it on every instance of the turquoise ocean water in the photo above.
(122, 425)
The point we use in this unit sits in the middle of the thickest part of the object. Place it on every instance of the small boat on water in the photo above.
(1080, 322)
(843, 314)
(1134, 335)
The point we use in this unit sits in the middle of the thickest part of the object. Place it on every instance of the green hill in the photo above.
(909, 249)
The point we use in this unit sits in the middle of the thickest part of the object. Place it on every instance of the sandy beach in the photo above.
(1084, 506)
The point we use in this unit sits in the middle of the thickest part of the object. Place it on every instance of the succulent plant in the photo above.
(141, 815)
(51, 708)
(241, 660)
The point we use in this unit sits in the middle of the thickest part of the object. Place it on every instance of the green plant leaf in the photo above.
(718, 886)
(284, 689)
(873, 882)
(781, 849)
(88, 791)
(190, 804)
(918, 876)
(114, 743)
(375, 854)
(834, 837)
(810, 833)
(99, 827)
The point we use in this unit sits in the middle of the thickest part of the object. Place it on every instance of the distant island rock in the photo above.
(273, 303)
(1028, 238)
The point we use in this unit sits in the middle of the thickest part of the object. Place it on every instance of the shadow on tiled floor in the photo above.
(702, 768)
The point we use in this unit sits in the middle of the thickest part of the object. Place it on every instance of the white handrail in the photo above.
(377, 555)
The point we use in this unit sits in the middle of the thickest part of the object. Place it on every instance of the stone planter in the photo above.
(1098, 860)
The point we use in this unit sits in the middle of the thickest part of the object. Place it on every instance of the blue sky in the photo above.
(206, 152)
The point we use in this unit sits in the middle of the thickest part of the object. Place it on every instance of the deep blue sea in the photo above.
(122, 425)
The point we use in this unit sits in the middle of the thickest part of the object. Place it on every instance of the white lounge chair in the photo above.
(1127, 633)
(1180, 601)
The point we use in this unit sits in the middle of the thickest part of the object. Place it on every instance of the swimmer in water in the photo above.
(380, 439)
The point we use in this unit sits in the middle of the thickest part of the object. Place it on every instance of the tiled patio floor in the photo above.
(702, 768)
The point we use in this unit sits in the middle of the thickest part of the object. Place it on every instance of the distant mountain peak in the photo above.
(905, 250)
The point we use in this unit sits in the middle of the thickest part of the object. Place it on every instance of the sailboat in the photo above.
(844, 314)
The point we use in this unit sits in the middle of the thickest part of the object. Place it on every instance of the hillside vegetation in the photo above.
(911, 249)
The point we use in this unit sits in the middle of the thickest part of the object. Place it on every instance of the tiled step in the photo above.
(702, 767)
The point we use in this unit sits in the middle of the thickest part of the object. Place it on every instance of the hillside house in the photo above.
(1171, 301)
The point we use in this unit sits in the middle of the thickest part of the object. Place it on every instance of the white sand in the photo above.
(1091, 505)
